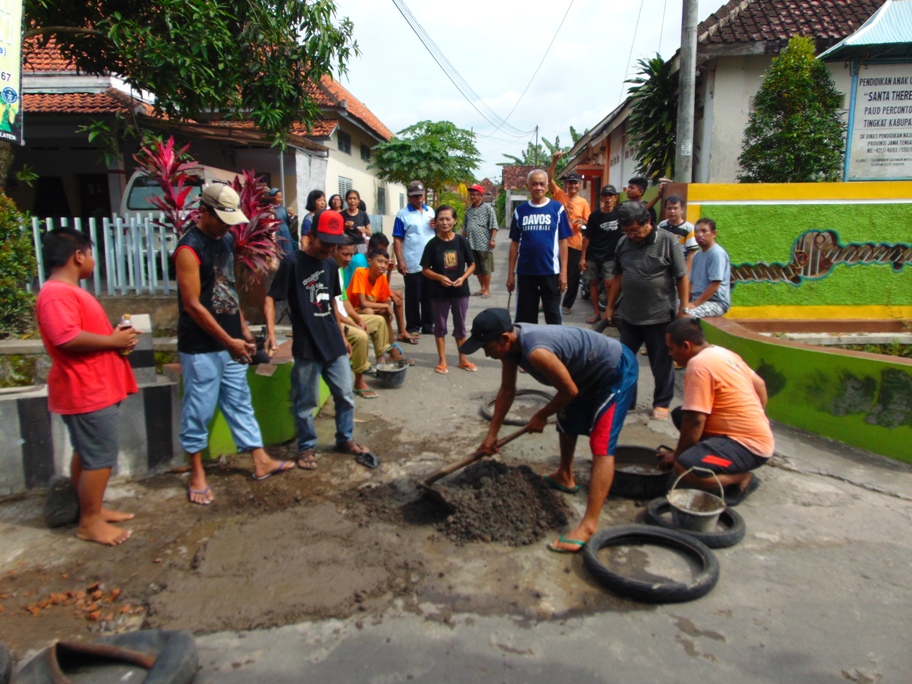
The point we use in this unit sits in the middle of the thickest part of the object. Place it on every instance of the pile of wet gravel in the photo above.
(494, 502)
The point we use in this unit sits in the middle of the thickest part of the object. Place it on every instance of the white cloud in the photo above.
(496, 47)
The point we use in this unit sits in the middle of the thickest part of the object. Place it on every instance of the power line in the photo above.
(662, 29)
(453, 74)
(632, 43)
(539, 66)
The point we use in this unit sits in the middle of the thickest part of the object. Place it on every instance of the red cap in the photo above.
(329, 226)
(477, 188)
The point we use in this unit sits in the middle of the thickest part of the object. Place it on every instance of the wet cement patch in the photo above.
(309, 563)
(493, 502)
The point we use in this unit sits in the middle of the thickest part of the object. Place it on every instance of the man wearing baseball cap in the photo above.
(600, 237)
(480, 228)
(411, 232)
(309, 280)
(578, 213)
(214, 343)
(596, 381)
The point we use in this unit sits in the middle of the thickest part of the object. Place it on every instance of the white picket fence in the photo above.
(131, 258)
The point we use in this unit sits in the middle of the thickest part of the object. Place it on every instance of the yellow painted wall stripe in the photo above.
(697, 192)
(869, 312)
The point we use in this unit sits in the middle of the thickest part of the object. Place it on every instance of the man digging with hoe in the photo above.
(596, 381)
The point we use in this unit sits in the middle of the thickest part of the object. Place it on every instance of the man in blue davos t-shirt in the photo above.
(538, 253)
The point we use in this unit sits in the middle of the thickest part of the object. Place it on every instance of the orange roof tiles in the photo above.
(333, 94)
(48, 58)
(107, 102)
(751, 21)
(514, 177)
(328, 94)
(321, 128)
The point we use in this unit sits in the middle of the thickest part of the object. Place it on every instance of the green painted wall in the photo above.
(273, 407)
(863, 402)
(766, 233)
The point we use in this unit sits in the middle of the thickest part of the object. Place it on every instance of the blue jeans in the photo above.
(305, 381)
(211, 380)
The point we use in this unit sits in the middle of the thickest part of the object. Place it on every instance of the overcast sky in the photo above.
(496, 46)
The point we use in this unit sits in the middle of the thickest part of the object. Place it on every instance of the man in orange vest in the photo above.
(577, 210)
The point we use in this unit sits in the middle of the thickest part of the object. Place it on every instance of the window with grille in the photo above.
(365, 152)
(381, 200)
(345, 142)
(345, 184)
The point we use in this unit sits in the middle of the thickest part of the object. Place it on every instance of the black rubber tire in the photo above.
(732, 522)
(650, 592)
(487, 408)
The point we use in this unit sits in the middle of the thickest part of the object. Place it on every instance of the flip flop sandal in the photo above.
(307, 460)
(734, 495)
(368, 460)
(469, 366)
(352, 448)
(199, 492)
(441, 369)
(580, 544)
(367, 393)
(554, 484)
(281, 468)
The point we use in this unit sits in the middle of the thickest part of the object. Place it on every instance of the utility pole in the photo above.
(687, 86)
(536, 145)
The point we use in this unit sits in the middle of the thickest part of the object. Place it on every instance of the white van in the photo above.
(135, 203)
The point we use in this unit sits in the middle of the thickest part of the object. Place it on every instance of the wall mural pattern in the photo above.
(814, 255)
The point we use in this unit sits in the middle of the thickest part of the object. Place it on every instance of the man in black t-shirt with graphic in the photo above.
(600, 236)
(309, 280)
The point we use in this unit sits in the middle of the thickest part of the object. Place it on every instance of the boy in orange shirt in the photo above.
(89, 377)
(369, 290)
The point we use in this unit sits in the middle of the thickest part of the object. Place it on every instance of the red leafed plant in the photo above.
(173, 171)
(255, 241)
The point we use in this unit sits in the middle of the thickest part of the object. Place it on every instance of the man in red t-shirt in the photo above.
(89, 377)
(724, 428)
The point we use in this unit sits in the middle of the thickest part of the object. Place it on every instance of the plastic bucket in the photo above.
(637, 474)
(391, 375)
(694, 509)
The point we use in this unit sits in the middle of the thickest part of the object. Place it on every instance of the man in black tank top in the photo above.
(214, 343)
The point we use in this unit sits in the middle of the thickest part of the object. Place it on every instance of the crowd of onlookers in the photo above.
(334, 283)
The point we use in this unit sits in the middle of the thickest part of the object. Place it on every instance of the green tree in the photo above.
(795, 133)
(653, 121)
(17, 268)
(541, 154)
(241, 58)
(434, 152)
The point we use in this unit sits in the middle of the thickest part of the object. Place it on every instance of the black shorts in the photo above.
(722, 455)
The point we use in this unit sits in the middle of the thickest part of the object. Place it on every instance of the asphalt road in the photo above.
(818, 591)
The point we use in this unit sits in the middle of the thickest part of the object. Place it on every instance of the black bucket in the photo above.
(391, 375)
(637, 474)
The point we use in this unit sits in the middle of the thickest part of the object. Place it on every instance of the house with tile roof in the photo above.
(513, 179)
(332, 155)
(735, 46)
